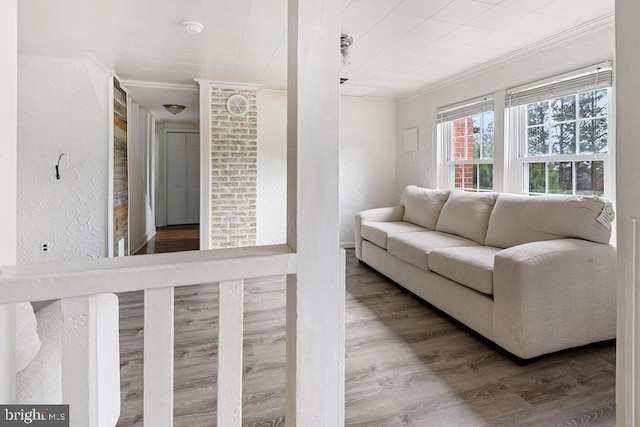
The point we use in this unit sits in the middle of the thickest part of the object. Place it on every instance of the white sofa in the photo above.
(534, 274)
(39, 352)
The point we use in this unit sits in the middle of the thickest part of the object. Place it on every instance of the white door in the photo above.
(183, 178)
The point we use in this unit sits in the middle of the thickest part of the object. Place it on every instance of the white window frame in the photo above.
(447, 166)
(516, 130)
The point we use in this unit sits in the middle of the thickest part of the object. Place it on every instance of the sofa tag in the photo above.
(607, 216)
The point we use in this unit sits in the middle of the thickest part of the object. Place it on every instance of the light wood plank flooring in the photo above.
(405, 364)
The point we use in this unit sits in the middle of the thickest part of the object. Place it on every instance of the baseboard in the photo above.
(351, 245)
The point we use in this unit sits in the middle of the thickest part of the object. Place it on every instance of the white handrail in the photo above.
(42, 282)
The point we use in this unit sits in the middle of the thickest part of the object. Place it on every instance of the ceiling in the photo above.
(399, 46)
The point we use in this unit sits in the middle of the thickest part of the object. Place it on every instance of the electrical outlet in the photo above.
(44, 248)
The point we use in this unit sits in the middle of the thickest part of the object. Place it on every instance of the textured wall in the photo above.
(367, 162)
(62, 108)
(233, 171)
(419, 167)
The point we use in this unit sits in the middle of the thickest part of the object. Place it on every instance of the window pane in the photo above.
(460, 148)
(537, 113)
(477, 123)
(594, 104)
(464, 176)
(590, 178)
(488, 121)
(563, 109)
(477, 143)
(563, 138)
(537, 178)
(462, 127)
(486, 177)
(487, 146)
(537, 141)
(594, 136)
(560, 178)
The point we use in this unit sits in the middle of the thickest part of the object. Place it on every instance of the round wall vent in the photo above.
(237, 105)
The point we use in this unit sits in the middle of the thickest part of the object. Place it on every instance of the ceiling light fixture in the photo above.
(345, 56)
(174, 108)
(192, 27)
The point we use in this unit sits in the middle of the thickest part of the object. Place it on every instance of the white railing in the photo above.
(157, 275)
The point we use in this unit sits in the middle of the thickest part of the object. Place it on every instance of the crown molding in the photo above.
(549, 42)
(159, 85)
(230, 85)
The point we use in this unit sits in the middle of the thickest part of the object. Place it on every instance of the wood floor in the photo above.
(405, 364)
(173, 238)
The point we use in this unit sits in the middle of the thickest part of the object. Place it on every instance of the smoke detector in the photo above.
(192, 27)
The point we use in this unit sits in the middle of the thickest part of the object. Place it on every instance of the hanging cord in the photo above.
(58, 166)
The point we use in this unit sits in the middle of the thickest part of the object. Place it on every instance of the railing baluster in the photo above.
(230, 337)
(158, 357)
(8, 353)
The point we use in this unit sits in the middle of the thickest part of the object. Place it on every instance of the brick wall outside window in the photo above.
(463, 150)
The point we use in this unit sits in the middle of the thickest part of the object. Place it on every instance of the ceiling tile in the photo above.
(357, 22)
(496, 17)
(464, 35)
(432, 30)
(461, 11)
(581, 10)
(526, 5)
(382, 7)
(538, 26)
(502, 41)
(421, 8)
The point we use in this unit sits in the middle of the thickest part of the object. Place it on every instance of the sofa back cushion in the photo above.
(467, 214)
(422, 206)
(518, 219)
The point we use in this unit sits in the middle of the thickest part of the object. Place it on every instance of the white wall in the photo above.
(141, 130)
(566, 54)
(367, 162)
(367, 159)
(63, 107)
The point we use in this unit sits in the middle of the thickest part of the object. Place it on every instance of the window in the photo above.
(466, 134)
(560, 132)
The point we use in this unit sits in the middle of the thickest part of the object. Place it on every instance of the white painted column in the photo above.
(315, 296)
(627, 69)
(158, 357)
(8, 162)
(7, 353)
(205, 163)
(230, 339)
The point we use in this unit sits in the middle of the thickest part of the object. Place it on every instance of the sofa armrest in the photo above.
(387, 214)
(553, 295)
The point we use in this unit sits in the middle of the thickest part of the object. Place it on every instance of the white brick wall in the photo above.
(234, 158)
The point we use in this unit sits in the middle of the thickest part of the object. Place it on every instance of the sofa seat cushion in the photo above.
(467, 214)
(471, 266)
(415, 247)
(378, 232)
